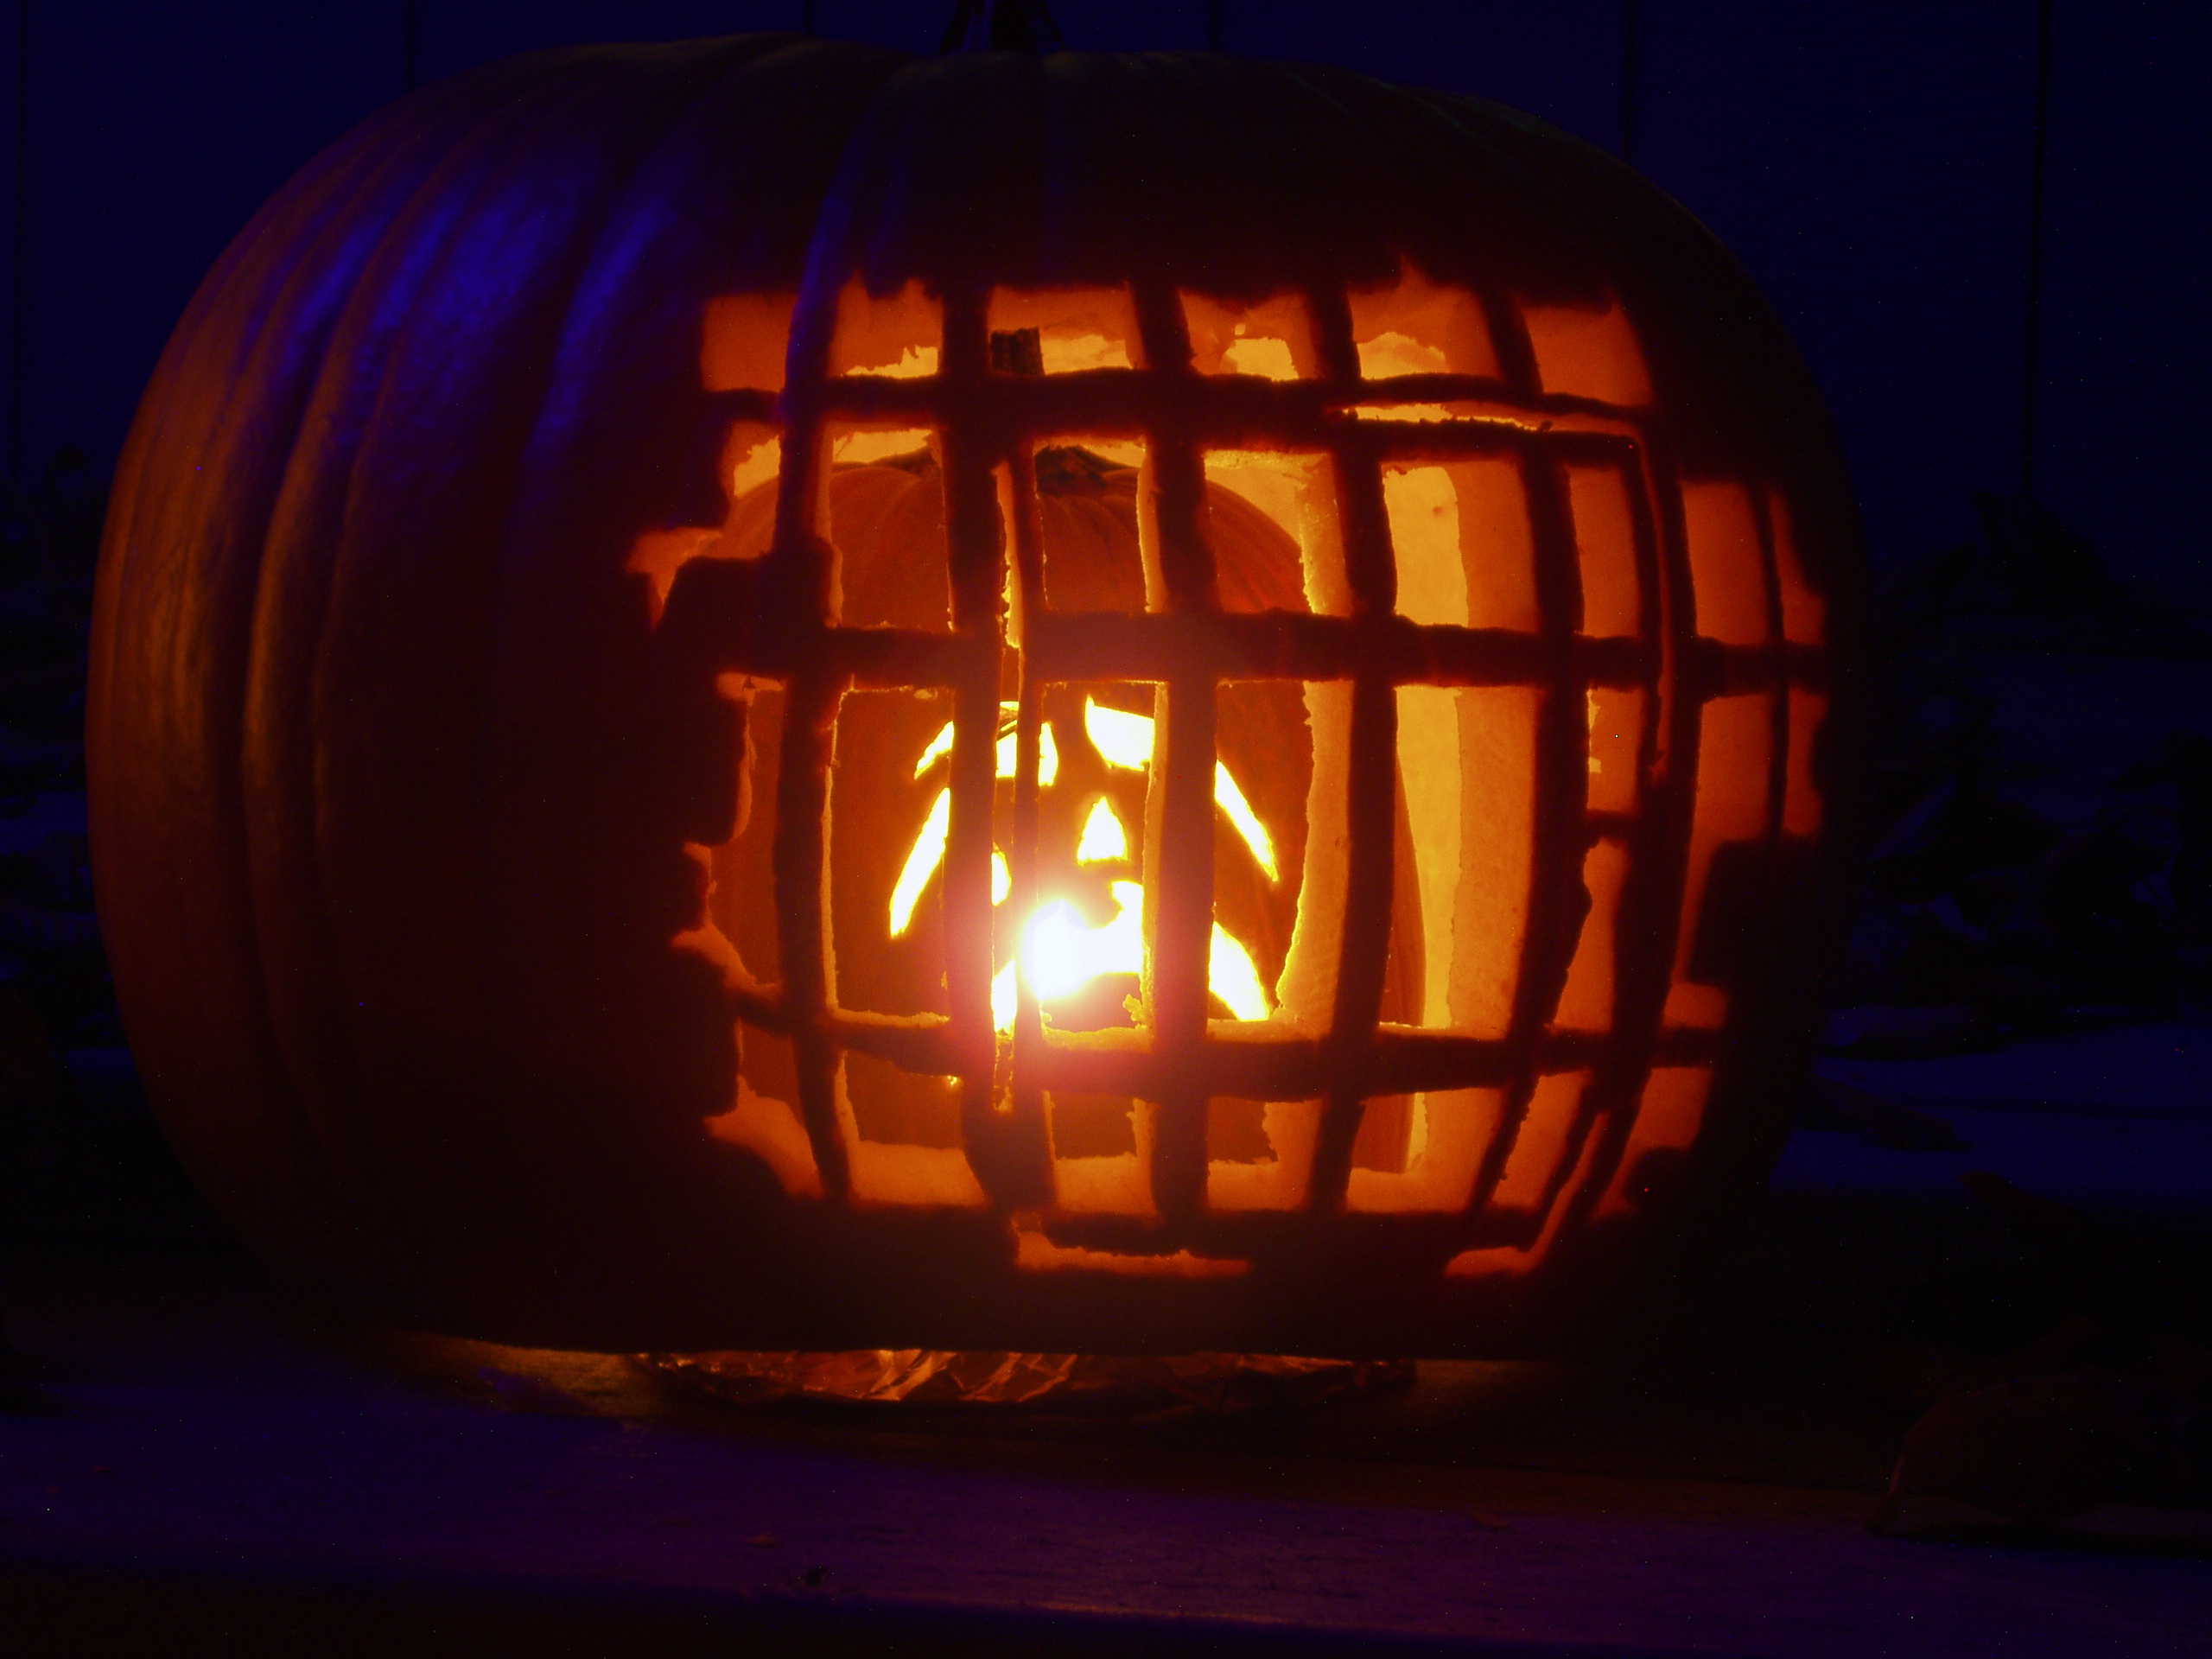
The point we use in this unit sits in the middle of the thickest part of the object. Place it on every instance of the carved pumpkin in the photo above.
(755, 694)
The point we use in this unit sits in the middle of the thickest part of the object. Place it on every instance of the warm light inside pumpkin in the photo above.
(1058, 953)
(1103, 839)
(1478, 502)
(1116, 726)
(1076, 329)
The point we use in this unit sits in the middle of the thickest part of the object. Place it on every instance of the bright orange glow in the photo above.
(1267, 340)
(1048, 752)
(856, 448)
(1231, 976)
(913, 363)
(939, 746)
(1391, 352)
(1125, 740)
(1076, 329)
(1417, 326)
(1230, 799)
(1057, 955)
(892, 335)
(921, 864)
(1407, 412)
(1060, 954)
(1103, 839)
(1048, 756)
(1269, 357)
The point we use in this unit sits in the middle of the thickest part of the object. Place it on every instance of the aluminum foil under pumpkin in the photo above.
(758, 694)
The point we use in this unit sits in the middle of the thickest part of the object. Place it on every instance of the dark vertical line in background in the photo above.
(1213, 25)
(19, 236)
(1628, 82)
(806, 18)
(407, 46)
(2031, 344)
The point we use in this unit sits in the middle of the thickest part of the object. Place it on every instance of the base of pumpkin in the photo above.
(1126, 1387)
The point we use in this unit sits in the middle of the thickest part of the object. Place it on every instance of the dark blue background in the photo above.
(1871, 162)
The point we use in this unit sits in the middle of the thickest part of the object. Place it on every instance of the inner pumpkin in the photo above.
(1476, 497)
(1081, 940)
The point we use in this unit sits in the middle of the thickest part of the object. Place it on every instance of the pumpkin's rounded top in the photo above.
(1002, 26)
(785, 161)
(1225, 175)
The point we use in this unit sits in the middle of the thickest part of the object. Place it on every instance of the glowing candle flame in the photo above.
(1059, 955)
(1056, 954)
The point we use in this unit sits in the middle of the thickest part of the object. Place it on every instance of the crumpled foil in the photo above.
(1132, 1387)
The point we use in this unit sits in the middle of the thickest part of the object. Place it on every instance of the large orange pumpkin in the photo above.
(758, 694)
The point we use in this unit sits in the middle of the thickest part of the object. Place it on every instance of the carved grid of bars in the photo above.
(1190, 645)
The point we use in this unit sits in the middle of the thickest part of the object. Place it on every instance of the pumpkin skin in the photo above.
(401, 775)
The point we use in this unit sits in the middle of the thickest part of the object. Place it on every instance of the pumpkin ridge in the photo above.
(261, 260)
(308, 1081)
(319, 547)
(560, 494)
(553, 458)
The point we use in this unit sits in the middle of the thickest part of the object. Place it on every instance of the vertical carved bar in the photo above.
(1178, 804)
(800, 564)
(975, 544)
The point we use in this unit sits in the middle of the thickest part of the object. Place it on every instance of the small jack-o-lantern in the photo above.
(756, 693)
